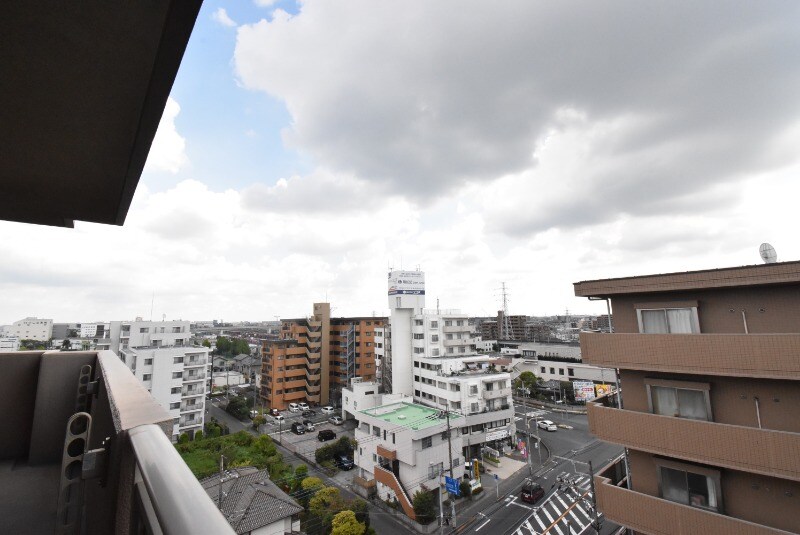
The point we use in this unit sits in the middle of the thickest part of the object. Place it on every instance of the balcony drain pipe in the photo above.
(758, 411)
(744, 321)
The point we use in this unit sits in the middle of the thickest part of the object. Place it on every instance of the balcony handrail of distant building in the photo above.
(169, 494)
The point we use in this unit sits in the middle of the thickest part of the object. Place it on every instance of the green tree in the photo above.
(465, 488)
(258, 421)
(66, 345)
(361, 509)
(238, 408)
(424, 507)
(206, 343)
(345, 523)
(322, 507)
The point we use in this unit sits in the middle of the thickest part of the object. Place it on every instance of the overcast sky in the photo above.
(309, 146)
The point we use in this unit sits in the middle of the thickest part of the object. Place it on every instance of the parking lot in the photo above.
(307, 443)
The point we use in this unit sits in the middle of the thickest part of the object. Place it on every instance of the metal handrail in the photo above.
(180, 503)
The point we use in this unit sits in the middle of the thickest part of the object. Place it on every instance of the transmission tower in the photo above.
(505, 328)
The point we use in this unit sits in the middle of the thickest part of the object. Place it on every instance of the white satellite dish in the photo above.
(768, 254)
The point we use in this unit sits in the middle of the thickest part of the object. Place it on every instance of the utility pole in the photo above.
(527, 433)
(450, 456)
(441, 506)
(219, 497)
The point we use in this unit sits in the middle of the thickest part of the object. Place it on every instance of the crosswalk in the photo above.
(538, 413)
(572, 505)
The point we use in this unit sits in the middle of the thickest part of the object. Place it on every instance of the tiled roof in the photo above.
(249, 499)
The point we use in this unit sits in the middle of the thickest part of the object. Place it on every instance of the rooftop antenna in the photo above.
(152, 300)
(437, 306)
(768, 254)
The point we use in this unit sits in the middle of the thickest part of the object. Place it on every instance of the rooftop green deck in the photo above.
(409, 415)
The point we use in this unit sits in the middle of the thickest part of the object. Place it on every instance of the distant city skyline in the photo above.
(538, 145)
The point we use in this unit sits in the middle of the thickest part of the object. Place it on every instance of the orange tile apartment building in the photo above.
(709, 368)
(316, 357)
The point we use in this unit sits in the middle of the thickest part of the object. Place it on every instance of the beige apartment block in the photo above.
(709, 372)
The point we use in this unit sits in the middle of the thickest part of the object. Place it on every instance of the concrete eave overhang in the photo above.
(754, 275)
(83, 88)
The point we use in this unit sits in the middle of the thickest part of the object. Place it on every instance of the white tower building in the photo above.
(406, 299)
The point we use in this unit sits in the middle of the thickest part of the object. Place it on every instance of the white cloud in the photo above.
(424, 98)
(265, 3)
(168, 152)
(221, 16)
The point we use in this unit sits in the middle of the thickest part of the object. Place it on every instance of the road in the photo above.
(570, 451)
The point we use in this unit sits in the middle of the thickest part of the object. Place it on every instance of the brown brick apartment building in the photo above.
(709, 368)
(316, 357)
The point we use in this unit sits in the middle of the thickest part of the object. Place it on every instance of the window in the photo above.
(427, 442)
(448, 336)
(177, 375)
(542, 369)
(477, 428)
(460, 323)
(462, 349)
(435, 352)
(175, 390)
(376, 431)
(449, 349)
(434, 338)
(473, 390)
(553, 371)
(690, 488)
(419, 350)
(680, 399)
(419, 336)
(147, 377)
(561, 371)
(143, 330)
(434, 325)
(434, 469)
(668, 320)
(148, 362)
(177, 360)
(416, 364)
(393, 438)
(176, 405)
(571, 372)
(473, 408)
(418, 323)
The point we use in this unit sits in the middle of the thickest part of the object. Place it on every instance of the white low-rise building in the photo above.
(404, 446)
(31, 329)
(227, 378)
(568, 371)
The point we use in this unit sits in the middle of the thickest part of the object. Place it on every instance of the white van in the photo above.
(294, 407)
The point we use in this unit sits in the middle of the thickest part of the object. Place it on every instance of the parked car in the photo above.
(326, 434)
(274, 412)
(327, 409)
(309, 425)
(298, 428)
(336, 420)
(294, 407)
(344, 462)
(304, 406)
(531, 492)
(547, 425)
(309, 412)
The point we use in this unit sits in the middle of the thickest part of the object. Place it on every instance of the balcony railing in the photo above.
(497, 393)
(186, 392)
(195, 377)
(761, 451)
(193, 363)
(140, 485)
(768, 356)
(651, 514)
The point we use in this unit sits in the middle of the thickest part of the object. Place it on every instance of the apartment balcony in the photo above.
(190, 421)
(187, 392)
(315, 388)
(195, 363)
(497, 393)
(644, 513)
(767, 356)
(749, 449)
(456, 329)
(294, 396)
(191, 407)
(134, 483)
(187, 377)
(459, 342)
